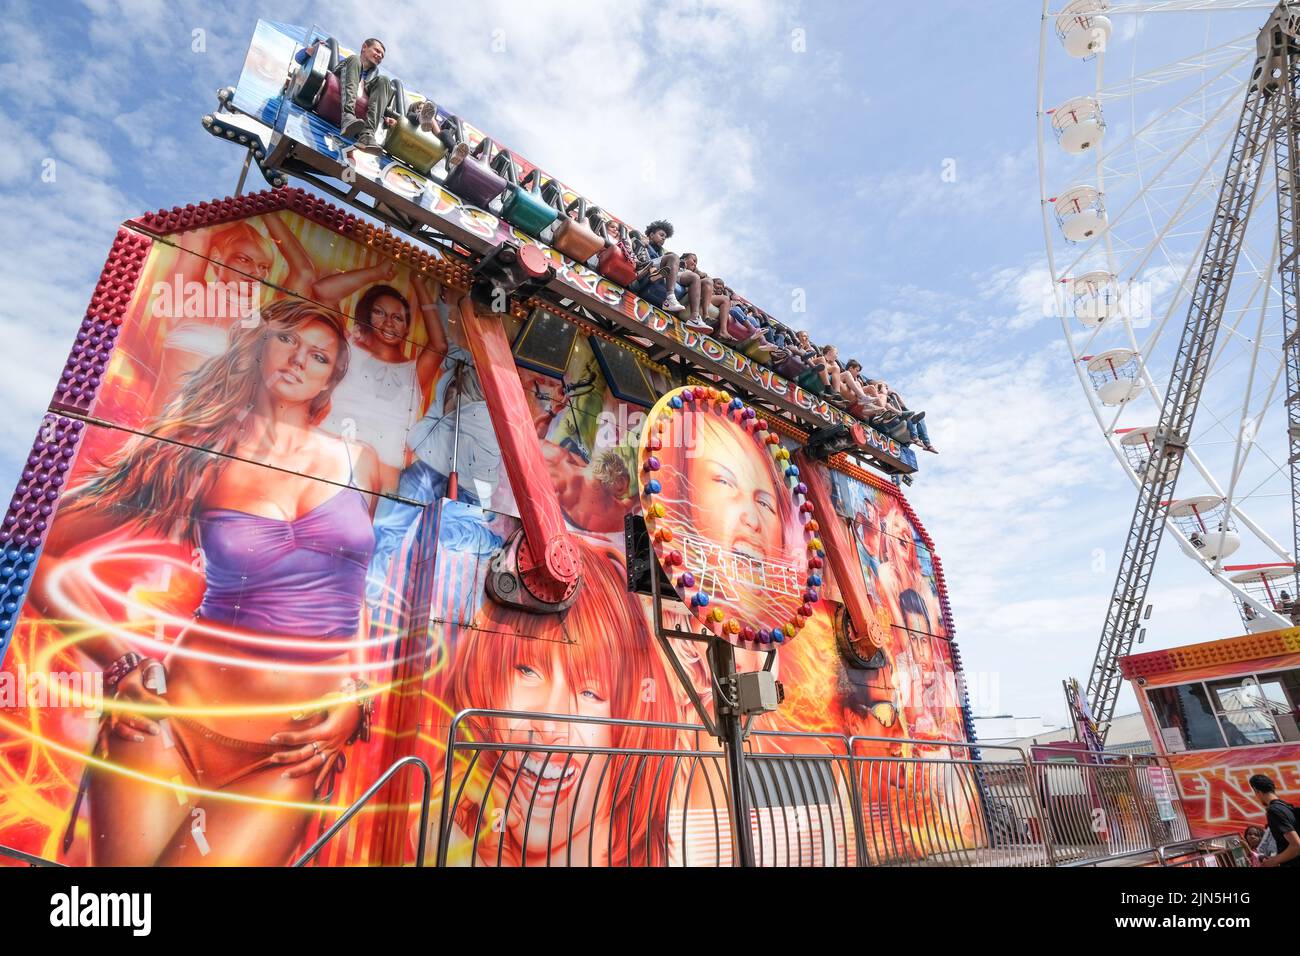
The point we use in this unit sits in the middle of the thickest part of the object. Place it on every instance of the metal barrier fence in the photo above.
(1220, 851)
(940, 806)
(526, 789)
(562, 796)
(426, 784)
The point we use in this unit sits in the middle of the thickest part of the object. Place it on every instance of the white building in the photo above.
(1128, 733)
(1005, 728)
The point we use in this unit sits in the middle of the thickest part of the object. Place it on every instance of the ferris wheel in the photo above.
(1139, 106)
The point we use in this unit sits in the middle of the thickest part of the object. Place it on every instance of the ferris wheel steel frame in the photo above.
(1268, 116)
(1100, 412)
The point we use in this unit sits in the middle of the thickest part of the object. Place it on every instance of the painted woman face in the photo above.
(553, 786)
(902, 546)
(242, 260)
(389, 318)
(297, 363)
(734, 495)
(869, 528)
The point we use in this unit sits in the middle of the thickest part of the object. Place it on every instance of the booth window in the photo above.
(1185, 710)
(1241, 711)
(1281, 692)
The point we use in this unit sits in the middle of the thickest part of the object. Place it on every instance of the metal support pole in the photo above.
(453, 479)
(243, 173)
(726, 723)
(722, 662)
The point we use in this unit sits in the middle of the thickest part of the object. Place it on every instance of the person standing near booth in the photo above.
(1281, 817)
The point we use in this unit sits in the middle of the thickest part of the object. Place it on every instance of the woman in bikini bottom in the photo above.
(264, 689)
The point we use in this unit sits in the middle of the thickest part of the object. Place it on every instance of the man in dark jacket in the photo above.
(1281, 823)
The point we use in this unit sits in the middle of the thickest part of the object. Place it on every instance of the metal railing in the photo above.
(356, 807)
(527, 789)
(28, 858)
(940, 806)
(1229, 850)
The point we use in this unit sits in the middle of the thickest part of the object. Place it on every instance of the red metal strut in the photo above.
(545, 559)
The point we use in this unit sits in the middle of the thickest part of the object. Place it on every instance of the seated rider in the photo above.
(813, 375)
(778, 334)
(834, 378)
(916, 426)
(660, 279)
(355, 72)
(690, 263)
(770, 339)
(864, 401)
(745, 320)
(715, 300)
(425, 113)
(779, 338)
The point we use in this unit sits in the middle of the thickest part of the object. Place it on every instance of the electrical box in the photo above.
(759, 692)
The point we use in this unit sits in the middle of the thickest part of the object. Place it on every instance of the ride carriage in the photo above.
(481, 173)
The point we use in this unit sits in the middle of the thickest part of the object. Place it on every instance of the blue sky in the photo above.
(819, 169)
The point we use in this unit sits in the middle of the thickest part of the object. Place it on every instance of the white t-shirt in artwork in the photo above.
(381, 401)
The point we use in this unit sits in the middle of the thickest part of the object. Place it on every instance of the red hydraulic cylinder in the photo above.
(549, 562)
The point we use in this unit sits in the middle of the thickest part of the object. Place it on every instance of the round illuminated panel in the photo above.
(729, 518)
(404, 182)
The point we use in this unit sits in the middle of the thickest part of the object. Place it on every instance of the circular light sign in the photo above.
(728, 517)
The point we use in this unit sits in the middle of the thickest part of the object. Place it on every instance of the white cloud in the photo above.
(78, 144)
(632, 104)
(1026, 504)
(951, 187)
(1027, 290)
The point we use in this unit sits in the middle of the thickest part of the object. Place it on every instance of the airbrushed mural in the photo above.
(262, 581)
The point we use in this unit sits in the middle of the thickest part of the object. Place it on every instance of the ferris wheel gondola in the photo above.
(1078, 124)
(1116, 374)
(1083, 28)
(1267, 585)
(1139, 445)
(1094, 296)
(1207, 526)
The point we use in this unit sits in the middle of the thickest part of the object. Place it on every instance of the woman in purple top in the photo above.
(263, 690)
